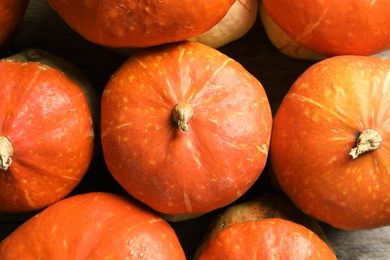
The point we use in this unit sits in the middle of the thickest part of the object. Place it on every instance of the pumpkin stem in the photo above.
(182, 114)
(368, 140)
(6, 151)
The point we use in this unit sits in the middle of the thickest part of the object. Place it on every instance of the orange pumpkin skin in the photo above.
(334, 27)
(315, 129)
(11, 18)
(93, 226)
(134, 23)
(218, 157)
(46, 118)
(271, 238)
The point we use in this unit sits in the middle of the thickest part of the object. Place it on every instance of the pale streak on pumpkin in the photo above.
(308, 100)
(309, 28)
(187, 202)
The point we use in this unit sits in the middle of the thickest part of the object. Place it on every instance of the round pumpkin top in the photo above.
(93, 225)
(218, 145)
(334, 107)
(134, 23)
(271, 238)
(334, 27)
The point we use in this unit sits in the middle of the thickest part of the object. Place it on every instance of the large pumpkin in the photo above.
(184, 128)
(330, 142)
(11, 17)
(133, 23)
(93, 226)
(46, 135)
(330, 27)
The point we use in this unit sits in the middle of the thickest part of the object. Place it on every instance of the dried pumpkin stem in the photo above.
(6, 152)
(368, 140)
(182, 114)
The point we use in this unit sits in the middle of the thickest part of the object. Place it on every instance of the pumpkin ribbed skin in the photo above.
(334, 27)
(316, 130)
(93, 226)
(214, 161)
(134, 23)
(46, 118)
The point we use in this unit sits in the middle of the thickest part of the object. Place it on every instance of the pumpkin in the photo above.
(236, 23)
(93, 226)
(267, 239)
(75, 74)
(46, 135)
(329, 28)
(266, 206)
(134, 23)
(11, 18)
(185, 128)
(330, 142)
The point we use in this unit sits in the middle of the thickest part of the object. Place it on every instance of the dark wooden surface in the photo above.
(43, 29)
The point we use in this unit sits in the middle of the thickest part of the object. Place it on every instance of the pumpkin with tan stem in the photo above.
(184, 128)
(133, 23)
(93, 226)
(330, 145)
(46, 134)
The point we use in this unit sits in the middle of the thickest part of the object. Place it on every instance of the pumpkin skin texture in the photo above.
(46, 120)
(11, 17)
(334, 27)
(271, 238)
(118, 23)
(176, 170)
(315, 134)
(93, 226)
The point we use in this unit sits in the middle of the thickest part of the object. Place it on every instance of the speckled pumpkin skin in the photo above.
(208, 166)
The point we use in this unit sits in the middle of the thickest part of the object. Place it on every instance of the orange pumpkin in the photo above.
(331, 27)
(330, 142)
(93, 226)
(133, 23)
(267, 206)
(11, 17)
(46, 134)
(270, 238)
(184, 128)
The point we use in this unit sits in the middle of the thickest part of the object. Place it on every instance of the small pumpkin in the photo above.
(330, 142)
(267, 239)
(134, 23)
(267, 227)
(263, 207)
(95, 225)
(185, 128)
(46, 136)
(11, 18)
(327, 28)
